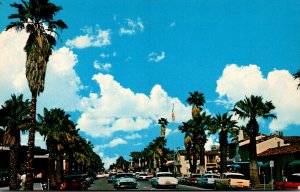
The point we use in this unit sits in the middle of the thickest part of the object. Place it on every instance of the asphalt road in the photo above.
(103, 185)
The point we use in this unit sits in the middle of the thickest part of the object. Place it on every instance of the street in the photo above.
(102, 184)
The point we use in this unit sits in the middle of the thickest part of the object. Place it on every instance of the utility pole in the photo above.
(173, 119)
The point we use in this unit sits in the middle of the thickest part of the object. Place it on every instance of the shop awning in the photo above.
(295, 162)
(234, 165)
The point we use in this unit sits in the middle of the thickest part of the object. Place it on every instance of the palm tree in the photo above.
(188, 142)
(54, 126)
(14, 117)
(163, 122)
(297, 76)
(224, 125)
(197, 100)
(36, 18)
(252, 108)
(159, 144)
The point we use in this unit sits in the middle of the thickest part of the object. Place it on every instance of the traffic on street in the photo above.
(102, 184)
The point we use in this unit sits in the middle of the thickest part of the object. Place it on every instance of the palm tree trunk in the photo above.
(13, 177)
(223, 149)
(29, 163)
(51, 166)
(59, 169)
(202, 151)
(253, 162)
(253, 153)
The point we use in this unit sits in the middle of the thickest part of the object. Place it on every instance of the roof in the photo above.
(212, 152)
(280, 151)
(292, 139)
(287, 139)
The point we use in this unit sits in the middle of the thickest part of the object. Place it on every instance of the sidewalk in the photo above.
(262, 187)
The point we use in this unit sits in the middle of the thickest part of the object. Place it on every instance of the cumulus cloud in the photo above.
(107, 160)
(38, 140)
(102, 66)
(113, 143)
(155, 57)
(62, 84)
(117, 108)
(278, 86)
(99, 38)
(132, 27)
(133, 136)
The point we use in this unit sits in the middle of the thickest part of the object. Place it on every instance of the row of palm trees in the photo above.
(154, 155)
(36, 17)
(201, 124)
(195, 129)
(60, 133)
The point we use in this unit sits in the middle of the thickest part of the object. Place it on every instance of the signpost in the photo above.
(271, 166)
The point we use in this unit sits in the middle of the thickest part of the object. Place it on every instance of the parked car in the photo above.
(232, 181)
(182, 179)
(74, 182)
(164, 179)
(111, 177)
(207, 180)
(192, 179)
(292, 183)
(125, 180)
(143, 176)
(102, 175)
(150, 175)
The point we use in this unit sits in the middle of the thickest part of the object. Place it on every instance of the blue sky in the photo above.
(121, 65)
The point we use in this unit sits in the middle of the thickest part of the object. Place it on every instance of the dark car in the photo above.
(74, 182)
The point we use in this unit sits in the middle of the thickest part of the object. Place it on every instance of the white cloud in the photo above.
(119, 109)
(38, 141)
(113, 143)
(98, 39)
(102, 66)
(211, 141)
(133, 136)
(155, 57)
(279, 87)
(132, 27)
(62, 84)
(173, 24)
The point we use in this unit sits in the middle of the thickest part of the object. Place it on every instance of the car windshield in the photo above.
(235, 176)
(124, 175)
(294, 178)
(165, 175)
(212, 176)
(143, 174)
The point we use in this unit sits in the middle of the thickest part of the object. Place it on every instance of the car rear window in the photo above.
(294, 178)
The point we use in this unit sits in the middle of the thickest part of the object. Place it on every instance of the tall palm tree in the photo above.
(14, 117)
(163, 123)
(36, 18)
(297, 76)
(54, 126)
(252, 108)
(202, 123)
(159, 144)
(224, 125)
(197, 100)
(186, 128)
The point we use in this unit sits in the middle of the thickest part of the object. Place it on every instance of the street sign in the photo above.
(271, 163)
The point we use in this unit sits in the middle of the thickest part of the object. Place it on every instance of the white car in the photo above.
(142, 176)
(207, 180)
(164, 179)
